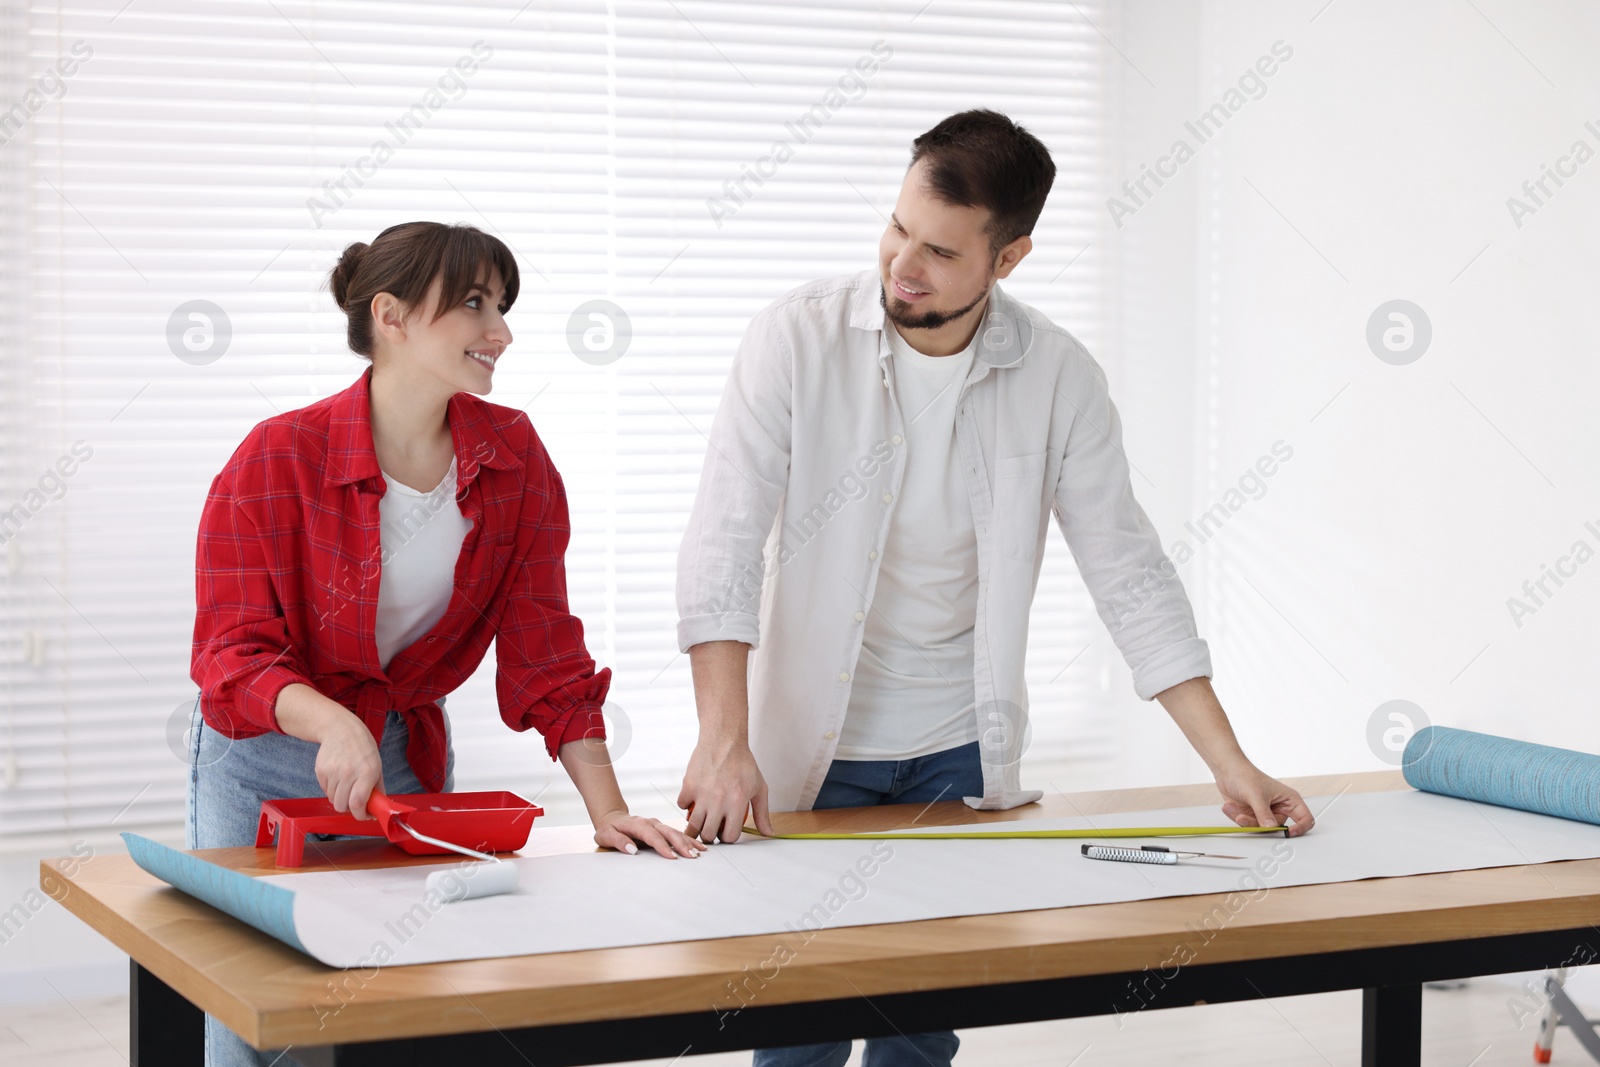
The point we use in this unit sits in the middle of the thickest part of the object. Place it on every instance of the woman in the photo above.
(356, 557)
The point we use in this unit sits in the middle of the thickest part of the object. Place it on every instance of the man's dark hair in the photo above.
(980, 158)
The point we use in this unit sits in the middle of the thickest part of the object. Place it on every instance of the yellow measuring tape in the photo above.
(1118, 831)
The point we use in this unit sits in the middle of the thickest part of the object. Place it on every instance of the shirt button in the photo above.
(860, 615)
(895, 438)
(829, 736)
(888, 498)
(844, 676)
(873, 554)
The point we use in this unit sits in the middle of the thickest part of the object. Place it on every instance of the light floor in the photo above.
(1471, 1026)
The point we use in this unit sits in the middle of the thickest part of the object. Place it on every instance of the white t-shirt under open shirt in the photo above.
(912, 690)
(421, 534)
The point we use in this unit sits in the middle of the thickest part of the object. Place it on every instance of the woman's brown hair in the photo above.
(404, 260)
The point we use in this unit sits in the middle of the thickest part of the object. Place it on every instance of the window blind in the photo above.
(172, 205)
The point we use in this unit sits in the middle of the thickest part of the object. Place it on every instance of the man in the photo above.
(872, 515)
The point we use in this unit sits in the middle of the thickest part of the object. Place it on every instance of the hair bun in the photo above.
(344, 271)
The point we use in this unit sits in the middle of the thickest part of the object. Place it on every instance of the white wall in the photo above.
(1151, 366)
(1376, 165)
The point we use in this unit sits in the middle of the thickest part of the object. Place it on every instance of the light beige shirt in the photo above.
(797, 494)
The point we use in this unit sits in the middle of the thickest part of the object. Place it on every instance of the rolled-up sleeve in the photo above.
(545, 678)
(242, 655)
(1135, 585)
(720, 565)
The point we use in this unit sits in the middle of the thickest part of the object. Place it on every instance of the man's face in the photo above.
(933, 261)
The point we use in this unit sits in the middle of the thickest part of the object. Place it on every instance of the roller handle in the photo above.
(384, 808)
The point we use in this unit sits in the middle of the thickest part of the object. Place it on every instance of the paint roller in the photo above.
(487, 878)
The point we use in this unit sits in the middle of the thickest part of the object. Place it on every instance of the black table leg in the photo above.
(1391, 1026)
(165, 1029)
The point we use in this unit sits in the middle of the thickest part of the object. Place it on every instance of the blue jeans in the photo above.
(943, 776)
(228, 780)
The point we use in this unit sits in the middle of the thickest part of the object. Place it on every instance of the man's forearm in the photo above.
(721, 691)
(1194, 706)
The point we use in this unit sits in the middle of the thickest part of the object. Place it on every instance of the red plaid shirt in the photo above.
(287, 568)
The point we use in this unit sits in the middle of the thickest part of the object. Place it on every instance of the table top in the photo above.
(272, 995)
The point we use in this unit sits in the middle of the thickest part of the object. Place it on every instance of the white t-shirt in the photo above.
(912, 690)
(421, 534)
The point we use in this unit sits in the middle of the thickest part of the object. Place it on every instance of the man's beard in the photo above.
(901, 315)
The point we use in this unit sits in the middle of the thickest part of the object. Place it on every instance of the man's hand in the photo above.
(1255, 799)
(722, 781)
(720, 786)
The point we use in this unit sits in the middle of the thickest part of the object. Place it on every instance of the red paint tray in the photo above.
(495, 821)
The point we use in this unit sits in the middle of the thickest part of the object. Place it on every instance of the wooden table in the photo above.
(1384, 936)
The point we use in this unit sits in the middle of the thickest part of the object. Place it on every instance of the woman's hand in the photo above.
(348, 765)
(1255, 799)
(619, 830)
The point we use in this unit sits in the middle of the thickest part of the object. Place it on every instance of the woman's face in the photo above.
(461, 346)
